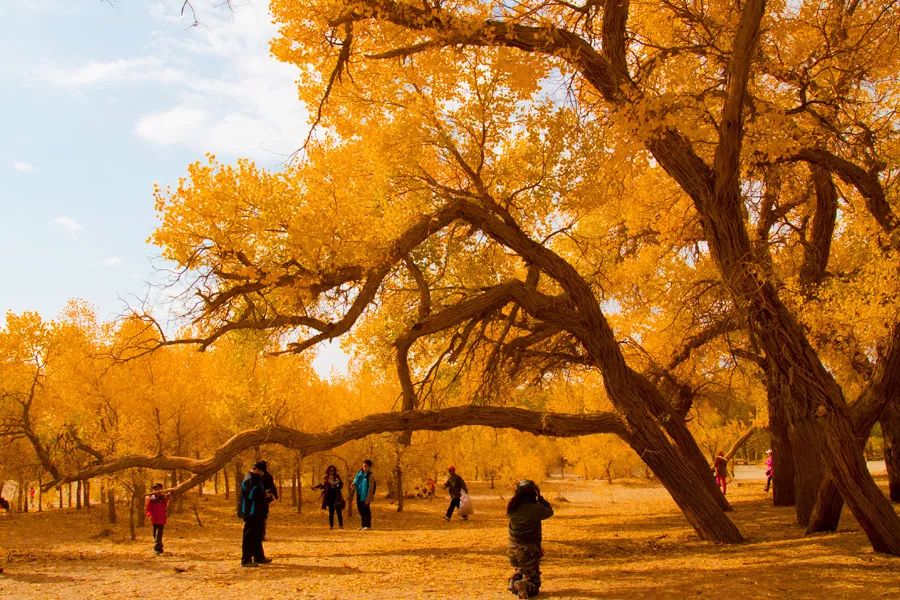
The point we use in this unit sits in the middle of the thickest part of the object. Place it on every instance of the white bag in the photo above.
(465, 505)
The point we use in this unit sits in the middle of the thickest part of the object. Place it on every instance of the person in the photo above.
(272, 490)
(363, 486)
(770, 470)
(456, 486)
(157, 508)
(720, 468)
(253, 509)
(525, 511)
(31, 495)
(332, 498)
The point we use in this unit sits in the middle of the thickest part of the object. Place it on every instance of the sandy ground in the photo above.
(620, 541)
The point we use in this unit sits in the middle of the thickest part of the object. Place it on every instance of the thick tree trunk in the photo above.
(890, 431)
(78, 494)
(86, 489)
(783, 482)
(133, 506)
(111, 504)
(807, 445)
(300, 485)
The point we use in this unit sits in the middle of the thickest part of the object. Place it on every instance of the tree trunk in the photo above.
(890, 431)
(133, 505)
(78, 494)
(86, 488)
(398, 478)
(70, 495)
(140, 488)
(40, 492)
(300, 486)
(295, 476)
(111, 504)
(216, 483)
(807, 445)
(60, 497)
(238, 479)
(783, 482)
(225, 478)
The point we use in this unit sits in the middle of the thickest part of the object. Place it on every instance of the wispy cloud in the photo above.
(69, 224)
(21, 166)
(111, 261)
(123, 70)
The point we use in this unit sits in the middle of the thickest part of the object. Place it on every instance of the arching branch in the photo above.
(538, 423)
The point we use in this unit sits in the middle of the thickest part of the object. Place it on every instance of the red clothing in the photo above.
(157, 508)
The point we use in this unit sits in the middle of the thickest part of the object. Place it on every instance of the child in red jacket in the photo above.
(157, 509)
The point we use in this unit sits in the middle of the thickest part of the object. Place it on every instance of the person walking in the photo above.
(525, 511)
(254, 508)
(268, 482)
(157, 508)
(720, 468)
(363, 486)
(332, 498)
(455, 486)
(770, 470)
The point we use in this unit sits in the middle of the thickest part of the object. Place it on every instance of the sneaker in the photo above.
(520, 588)
(364, 528)
(247, 563)
(264, 561)
(446, 518)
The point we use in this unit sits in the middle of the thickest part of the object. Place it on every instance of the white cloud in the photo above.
(245, 105)
(69, 224)
(21, 166)
(123, 70)
(111, 261)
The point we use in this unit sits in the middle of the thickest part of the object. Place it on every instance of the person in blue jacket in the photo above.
(364, 486)
(253, 509)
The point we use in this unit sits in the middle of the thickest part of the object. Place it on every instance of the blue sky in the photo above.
(102, 99)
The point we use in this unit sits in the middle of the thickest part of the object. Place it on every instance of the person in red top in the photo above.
(720, 468)
(158, 509)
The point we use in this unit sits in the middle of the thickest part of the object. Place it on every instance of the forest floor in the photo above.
(626, 540)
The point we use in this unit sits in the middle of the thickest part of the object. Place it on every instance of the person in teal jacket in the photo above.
(253, 509)
(364, 486)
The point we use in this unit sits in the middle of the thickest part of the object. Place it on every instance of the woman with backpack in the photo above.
(332, 498)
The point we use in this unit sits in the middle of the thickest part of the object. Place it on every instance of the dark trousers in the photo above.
(157, 538)
(251, 546)
(365, 513)
(454, 503)
(340, 514)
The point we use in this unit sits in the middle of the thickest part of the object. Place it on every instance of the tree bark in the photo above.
(784, 480)
(78, 494)
(86, 489)
(111, 504)
(890, 431)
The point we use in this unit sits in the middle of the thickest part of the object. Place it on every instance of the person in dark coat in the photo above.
(526, 509)
(269, 484)
(332, 497)
(455, 486)
(254, 509)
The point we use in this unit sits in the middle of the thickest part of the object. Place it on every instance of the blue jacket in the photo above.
(364, 484)
(254, 504)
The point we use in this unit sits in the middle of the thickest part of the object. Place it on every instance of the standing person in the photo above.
(254, 508)
(526, 509)
(157, 508)
(770, 470)
(456, 486)
(271, 490)
(364, 486)
(31, 495)
(332, 498)
(720, 468)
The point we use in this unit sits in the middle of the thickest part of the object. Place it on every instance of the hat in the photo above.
(261, 465)
(451, 468)
(526, 485)
(769, 451)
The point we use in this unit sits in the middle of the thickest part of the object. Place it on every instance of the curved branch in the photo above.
(538, 423)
